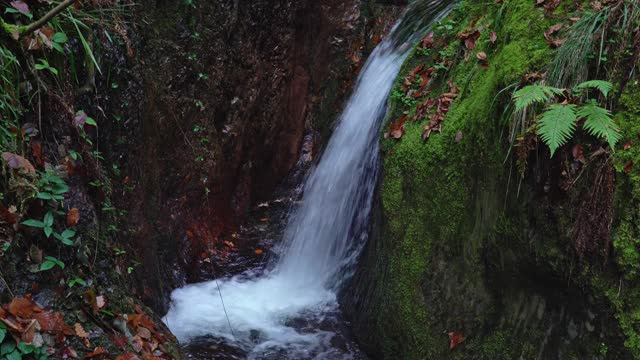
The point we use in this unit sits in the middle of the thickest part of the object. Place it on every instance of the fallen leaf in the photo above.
(552, 30)
(20, 6)
(627, 145)
(482, 56)
(137, 343)
(397, 128)
(23, 307)
(96, 352)
(73, 216)
(68, 353)
(29, 332)
(627, 168)
(15, 161)
(427, 41)
(458, 137)
(81, 333)
(120, 341)
(100, 301)
(455, 339)
(493, 37)
(258, 251)
(144, 333)
(52, 322)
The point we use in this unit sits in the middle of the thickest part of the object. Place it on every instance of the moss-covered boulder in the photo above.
(465, 248)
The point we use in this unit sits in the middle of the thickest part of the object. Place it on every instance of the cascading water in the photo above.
(321, 242)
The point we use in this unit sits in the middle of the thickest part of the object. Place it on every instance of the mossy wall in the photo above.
(460, 243)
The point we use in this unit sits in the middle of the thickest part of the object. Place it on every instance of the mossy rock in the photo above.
(460, 242)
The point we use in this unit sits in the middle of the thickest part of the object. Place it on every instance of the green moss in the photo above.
(430, 189)
(624, 296)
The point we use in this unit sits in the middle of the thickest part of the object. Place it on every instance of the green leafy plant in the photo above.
(78, 281)
(532, 94)
(558, 122)
(46, 224)
(10, 350)
(44, 65)
(57, 40)
(556, 125)
(50, 262)
(65, 237)
(51, 186)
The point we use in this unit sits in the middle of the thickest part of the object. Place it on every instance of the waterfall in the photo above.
(323, 235)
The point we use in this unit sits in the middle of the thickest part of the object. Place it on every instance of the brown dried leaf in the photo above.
(73, 216)
(628, 167)
(81, 333)
(23, 307)
(144, 333)
(397, 128)
(52, 322)
(552, 30)
(493, 37)
(137, 343)
(97, 352)
(20, 6)
(100, 301)
(15, 161)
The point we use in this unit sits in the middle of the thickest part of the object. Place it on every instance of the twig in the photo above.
(7, 285)
(43, 20)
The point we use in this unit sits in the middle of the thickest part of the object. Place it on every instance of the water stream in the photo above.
(289, 309)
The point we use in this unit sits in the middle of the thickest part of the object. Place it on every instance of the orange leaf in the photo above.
(397, 128)
(73, 216)
(97, 352)
(52, 322)
(258, 251)
(23, 307)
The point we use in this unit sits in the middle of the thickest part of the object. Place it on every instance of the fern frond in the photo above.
(556, 126)
(532, 94)
(603, 86)
(599, 123)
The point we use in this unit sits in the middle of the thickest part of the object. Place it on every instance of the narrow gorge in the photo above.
(357, 179)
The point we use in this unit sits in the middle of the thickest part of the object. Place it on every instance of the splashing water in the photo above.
(270, 313)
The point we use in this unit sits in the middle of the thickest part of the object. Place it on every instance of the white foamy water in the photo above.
(321, 242)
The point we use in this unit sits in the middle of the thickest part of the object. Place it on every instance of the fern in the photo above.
(532, 94)
(556, 126)
(603, 86)
(599, 123)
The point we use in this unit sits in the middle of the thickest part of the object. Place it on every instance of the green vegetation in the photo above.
(456, 223)
(558, 122)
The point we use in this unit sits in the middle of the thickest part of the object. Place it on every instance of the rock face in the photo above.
(462, 248)
(217, 103)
